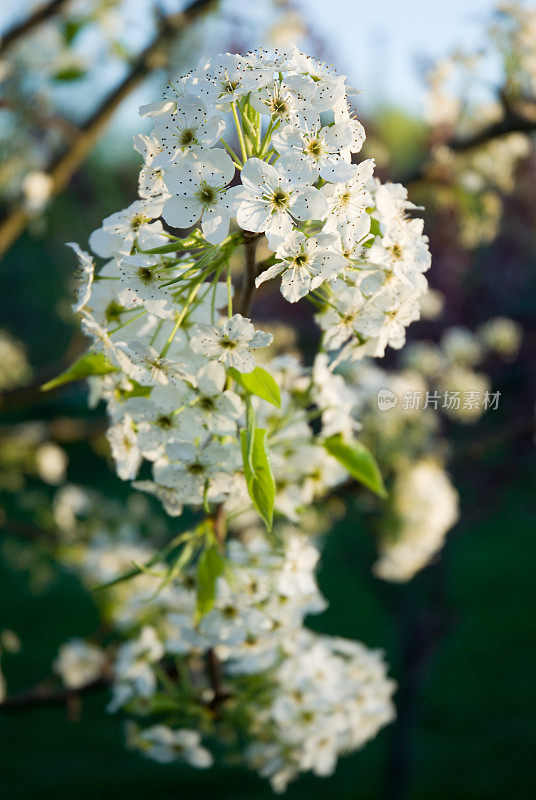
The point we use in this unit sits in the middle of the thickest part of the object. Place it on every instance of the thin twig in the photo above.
(215, 678)
(41, 14)
(218, 521)
(62, 168)
(44, 694)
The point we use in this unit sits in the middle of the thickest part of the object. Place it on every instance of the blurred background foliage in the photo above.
(459, 637)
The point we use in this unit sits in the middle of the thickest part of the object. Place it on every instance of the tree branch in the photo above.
(512, 122)
(62, 168)
(215, 677)
(248, 284)
(44, 694)
(41, 14)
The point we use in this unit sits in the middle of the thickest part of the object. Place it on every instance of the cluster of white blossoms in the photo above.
(247, 674)
(434, 381)
(161, 309)
(207, 411)
(425, 506)
(332, 697)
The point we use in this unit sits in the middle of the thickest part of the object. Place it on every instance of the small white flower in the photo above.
(84, 276)
(198, 191)
(339, 320)
(330, 87)
(140, 284)
(134, 676)
(158, 418)
(187, 128)
(144, 364)
(347, 201)
(133, 225)
(288, 100)
(215, 409)
(319, 149)
(225, 78)
(79, 663)
(305, 264)
(166, 745)
(231, 343)
(188, 467)
(270, 197)
(124, 446)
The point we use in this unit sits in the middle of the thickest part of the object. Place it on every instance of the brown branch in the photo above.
(512, 122)
(62, 168)
(44, 694)
(215, 677)
(218, 522)
(43, 12)
(248, 285)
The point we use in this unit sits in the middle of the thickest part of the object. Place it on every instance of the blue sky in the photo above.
(379, 42)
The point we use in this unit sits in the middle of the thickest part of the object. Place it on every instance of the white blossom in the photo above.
(231, 343)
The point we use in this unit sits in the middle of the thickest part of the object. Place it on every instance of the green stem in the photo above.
(236, 160)
(239, 131)
(132, 319)
(181, 316)
(229, 292)
(266, 137)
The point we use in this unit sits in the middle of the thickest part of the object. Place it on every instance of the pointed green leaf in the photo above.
(258, 382)
(359, 462)
(194, 240)
(88, 364)
(172, 247)
(69, 74)
(260, 479)
(209, 568)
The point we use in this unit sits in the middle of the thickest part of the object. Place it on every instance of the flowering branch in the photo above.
(174, 355)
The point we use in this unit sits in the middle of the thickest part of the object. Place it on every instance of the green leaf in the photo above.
(193, 240)
(209, 568)
(172, 247)
(69, 74)
(260, 479)
(162, 703)
(159, 557)
(250, 433)
(71, 27)
(374, 230)
(260, 383)
(359, 462)
(88, 364)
